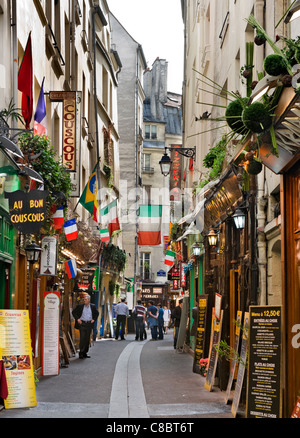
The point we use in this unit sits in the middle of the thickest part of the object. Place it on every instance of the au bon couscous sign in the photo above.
(27, 211)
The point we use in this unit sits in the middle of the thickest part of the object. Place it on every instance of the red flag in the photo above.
(25, 82)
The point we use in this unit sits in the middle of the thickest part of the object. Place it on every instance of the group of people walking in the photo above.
(158, 319)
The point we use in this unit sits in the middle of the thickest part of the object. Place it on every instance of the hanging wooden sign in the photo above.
(71, 128)
(27, 210)
(49, 254)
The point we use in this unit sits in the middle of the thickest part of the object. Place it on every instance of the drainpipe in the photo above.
(14, 56)
(259, 12)
(94, 11)
(136, 169)
(262, 202)
(73, 27)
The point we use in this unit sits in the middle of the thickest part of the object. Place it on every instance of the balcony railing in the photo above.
(148, 169)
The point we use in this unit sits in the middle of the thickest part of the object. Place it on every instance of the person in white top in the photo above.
(167, 316)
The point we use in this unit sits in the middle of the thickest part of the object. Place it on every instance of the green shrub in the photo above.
(233, 114)
(275, 65)
(256, 117)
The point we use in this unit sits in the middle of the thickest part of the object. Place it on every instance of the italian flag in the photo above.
(150, 224)
(170, 257)
(109, 217)
(104, 235)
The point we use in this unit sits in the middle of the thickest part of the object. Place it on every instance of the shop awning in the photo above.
(31, 173)
(226, 196)
(10, 146)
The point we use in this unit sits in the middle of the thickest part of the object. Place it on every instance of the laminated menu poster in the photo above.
(200, 337)
(15, 350)
(51, 321)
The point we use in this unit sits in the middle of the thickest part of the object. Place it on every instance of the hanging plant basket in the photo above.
(233, 114)
(254, 167)
(275, 65)
(256, 117)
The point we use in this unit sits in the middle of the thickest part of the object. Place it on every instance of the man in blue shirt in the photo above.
(160, 321)
(152, 320)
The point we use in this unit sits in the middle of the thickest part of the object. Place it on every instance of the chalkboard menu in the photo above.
(213, 356)
(242, 366)
(236, 349)
(200, 337)
(264, 394)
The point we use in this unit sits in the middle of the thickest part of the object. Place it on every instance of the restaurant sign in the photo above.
(71, 134)
(27, 210)
(175, 176)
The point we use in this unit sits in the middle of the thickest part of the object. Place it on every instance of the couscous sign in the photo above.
(27, 210)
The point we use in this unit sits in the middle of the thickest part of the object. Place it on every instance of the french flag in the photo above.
(71, 268)
(58, 218)
(40, 118)
(71, 230)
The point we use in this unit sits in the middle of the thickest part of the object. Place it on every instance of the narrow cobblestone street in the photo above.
(126, 379)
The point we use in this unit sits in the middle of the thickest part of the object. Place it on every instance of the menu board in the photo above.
(264, 393)
(51, 356)
(213, 356)
(242, 366)
(15, 350)
(201, 326)
(236, 349)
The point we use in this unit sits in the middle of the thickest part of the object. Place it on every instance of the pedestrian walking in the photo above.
(152, 320)
(176, 315)
(85, 315)
(122, 313)
(167, 316)
(160, 321)
(140, 312)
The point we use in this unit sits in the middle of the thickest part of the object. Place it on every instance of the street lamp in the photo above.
(165, 162)
(239, 219)
(196, 249)
(33, 252)
(293, 13)
(212, 238)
